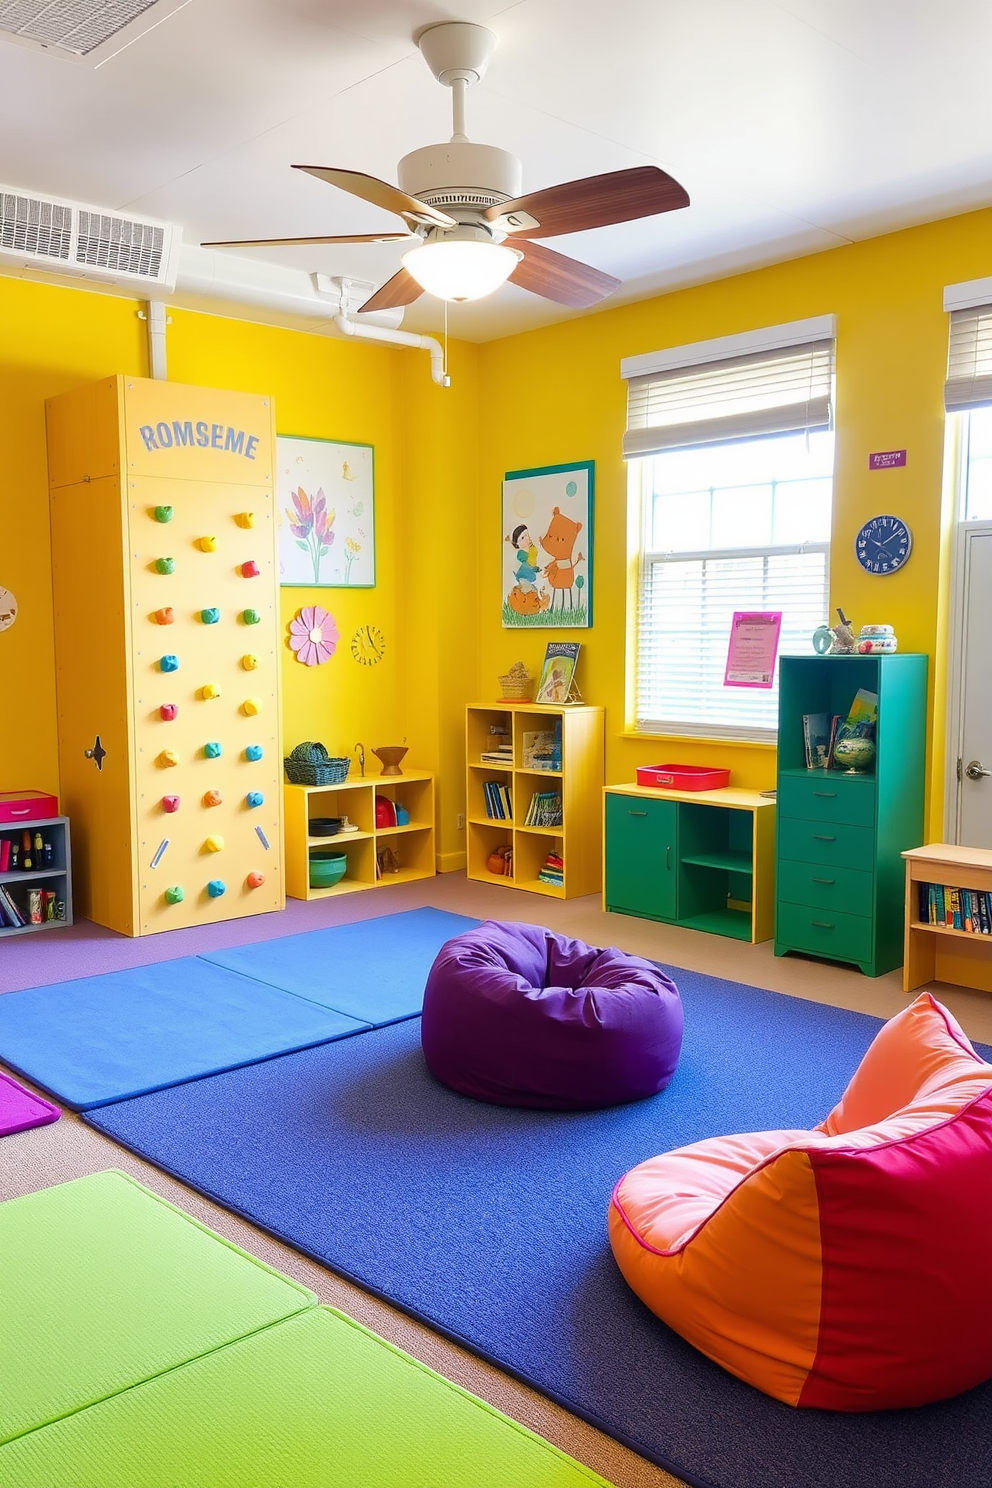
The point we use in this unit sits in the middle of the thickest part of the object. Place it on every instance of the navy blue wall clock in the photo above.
(883, 545)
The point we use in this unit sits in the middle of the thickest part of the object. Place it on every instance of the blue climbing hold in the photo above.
(216, 887)
(254, 798)
(253, 752)
(169, 664)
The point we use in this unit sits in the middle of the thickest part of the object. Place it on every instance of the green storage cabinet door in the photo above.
(641, 856)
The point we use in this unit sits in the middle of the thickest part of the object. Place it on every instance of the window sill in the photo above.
(701, 739)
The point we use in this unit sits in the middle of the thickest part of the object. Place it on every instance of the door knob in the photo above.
(975, 770)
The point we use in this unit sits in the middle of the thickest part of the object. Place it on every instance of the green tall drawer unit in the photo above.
(840, 876)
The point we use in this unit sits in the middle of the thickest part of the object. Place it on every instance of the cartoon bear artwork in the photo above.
(558, 542)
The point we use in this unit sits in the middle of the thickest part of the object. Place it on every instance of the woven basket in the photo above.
(516, 686)
(310, 764)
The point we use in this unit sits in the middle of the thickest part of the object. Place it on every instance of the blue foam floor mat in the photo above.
(126, 1033)
(490, 1225)
(374, 971)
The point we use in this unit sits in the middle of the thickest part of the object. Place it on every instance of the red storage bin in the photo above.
(25, 806)
(683, 777)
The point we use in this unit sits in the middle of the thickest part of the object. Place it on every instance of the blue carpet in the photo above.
(374, 971)
(128, 1032)
(490, 1224)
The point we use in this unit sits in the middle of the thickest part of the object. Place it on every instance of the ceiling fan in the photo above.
(468, 227)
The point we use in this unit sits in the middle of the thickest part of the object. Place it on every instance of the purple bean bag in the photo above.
(517, 1015)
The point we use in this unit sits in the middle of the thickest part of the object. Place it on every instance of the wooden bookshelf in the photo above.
(413, 844)
(579, 837)
(939, 953)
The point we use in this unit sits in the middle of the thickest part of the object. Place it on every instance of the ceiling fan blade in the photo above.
(564, 280)
(381, 193)
(402, 289)
(292, 242)
(595, 201)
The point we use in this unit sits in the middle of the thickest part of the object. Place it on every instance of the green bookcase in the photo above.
(840, 876)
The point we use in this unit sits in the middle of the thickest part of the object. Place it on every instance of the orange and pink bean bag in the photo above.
(849, 1267)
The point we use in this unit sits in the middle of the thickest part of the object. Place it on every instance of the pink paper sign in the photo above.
(753, 648)
(886, 459)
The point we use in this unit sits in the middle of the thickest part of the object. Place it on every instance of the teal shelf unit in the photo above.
(840, 875)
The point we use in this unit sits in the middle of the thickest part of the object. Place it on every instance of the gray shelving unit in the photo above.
(58, 877)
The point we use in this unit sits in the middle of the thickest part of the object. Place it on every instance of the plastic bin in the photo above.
(683, 777)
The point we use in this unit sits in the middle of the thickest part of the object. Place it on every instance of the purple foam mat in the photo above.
(19, 1109)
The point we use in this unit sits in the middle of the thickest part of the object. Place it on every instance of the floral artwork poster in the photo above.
(326, 513)
(546, 547)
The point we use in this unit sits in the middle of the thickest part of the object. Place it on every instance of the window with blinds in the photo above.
(734, 515)
(969, 360)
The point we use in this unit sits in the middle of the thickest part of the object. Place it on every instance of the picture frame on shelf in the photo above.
(546, 543)
(325, 513)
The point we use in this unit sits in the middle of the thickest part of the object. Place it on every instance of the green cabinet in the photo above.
(641, 856)
(700, 859)
(839, 871)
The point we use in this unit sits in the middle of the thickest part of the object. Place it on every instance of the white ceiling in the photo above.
(795, 125)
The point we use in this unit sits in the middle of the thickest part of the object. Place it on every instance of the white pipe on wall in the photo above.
(397, 338)
(156, 320)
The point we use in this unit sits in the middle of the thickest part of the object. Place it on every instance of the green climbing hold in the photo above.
(165, 565)
(250, 617)
(175, 895)
(212, 751)
(162, 513)
(210, 617)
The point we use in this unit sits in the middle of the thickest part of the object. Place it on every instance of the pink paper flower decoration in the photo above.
(313, 635)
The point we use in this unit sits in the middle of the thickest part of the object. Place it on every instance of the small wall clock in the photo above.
(883, 545)
(368, 645)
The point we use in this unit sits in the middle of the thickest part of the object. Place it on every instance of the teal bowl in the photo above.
(327, 869)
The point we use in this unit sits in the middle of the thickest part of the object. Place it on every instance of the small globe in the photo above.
(854, 755)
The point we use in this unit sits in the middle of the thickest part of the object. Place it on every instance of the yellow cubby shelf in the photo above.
(579, 782)
(411, 845)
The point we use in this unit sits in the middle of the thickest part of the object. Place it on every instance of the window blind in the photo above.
(687, 604)
(766, 392)
(969, 360)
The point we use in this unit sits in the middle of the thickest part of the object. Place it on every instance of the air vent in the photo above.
(462, 197)
(68, 238)
(84, 30)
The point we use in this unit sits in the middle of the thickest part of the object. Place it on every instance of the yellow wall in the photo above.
(547, 397)
(556, 395)
(53, 339)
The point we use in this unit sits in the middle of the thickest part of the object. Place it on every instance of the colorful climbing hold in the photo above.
(165, 565)
(250, 570)
(210, 617)
(251, 706)
(170, 804)
(253, 752)
(216, 887)
(212, 750)
(250, 617)
(168, 712)
(245, 519)
(169, 663)
(206, 544)
(166, 758)
(249, 663)
(210, 690)
(255, 880)
(162, 513)
(164, 616)
(254, 798)
(175, 895)
(214, 844)
(212, 798)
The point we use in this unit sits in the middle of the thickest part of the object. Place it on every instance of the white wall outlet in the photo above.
(460, 821)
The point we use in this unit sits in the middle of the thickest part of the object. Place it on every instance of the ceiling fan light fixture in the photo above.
(458, 269)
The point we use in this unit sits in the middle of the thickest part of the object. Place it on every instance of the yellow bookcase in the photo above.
(411, 845)
(578, 839)
(163, 549)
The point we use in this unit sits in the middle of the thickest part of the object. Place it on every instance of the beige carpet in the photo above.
(52, 1154)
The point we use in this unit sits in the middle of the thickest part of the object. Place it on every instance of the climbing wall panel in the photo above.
(199, 755)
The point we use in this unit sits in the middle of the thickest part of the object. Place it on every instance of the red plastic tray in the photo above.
(683, 777)
(25, 806)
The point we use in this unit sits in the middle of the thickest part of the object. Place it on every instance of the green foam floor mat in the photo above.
(314, 1402)
(104, 1284)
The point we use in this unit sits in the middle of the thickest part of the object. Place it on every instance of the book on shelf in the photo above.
(816, 740)
(501, 756)
(553, 871)
(499, 806)
(952, 908)
(861, 716)
(542, 749)
(544, 810)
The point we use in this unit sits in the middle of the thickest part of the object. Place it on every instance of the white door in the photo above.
(970, 761)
